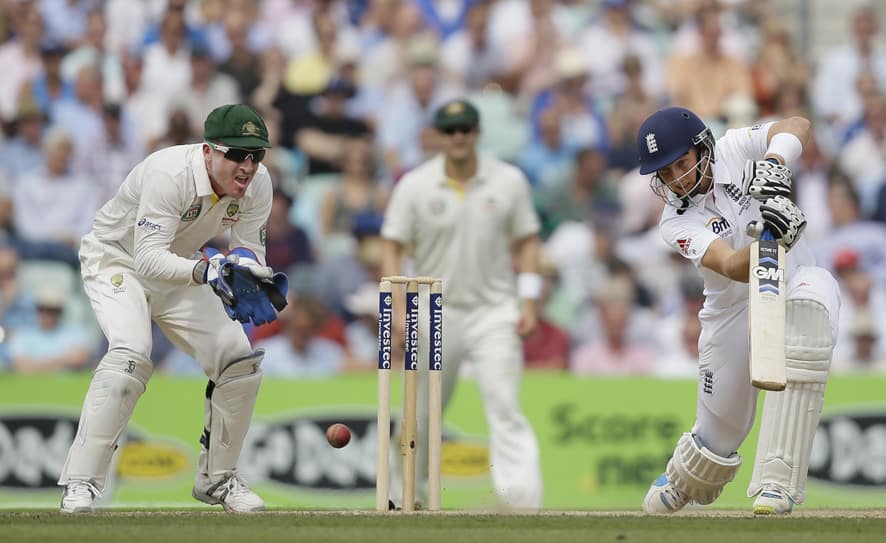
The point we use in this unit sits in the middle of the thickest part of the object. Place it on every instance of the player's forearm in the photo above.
(783, 149)
(162, 265)
(726, 261)
(528, 254)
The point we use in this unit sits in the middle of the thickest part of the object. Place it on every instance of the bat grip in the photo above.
(767, 235)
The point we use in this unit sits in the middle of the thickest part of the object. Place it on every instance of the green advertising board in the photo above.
(602, 442)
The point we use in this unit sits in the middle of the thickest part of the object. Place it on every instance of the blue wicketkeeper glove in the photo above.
(249, 291)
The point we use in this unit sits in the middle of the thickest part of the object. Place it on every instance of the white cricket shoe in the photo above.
(663, 498)
(232, 494)
(79, 497)
(773, 501)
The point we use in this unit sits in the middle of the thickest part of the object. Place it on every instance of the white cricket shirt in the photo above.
(723, 213)
(463, 234)
(166, 211)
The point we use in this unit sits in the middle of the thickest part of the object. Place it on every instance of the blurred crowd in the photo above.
(90, 87)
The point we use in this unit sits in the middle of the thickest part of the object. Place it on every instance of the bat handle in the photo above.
(767, 234)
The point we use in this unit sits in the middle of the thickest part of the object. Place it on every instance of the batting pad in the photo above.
(118, 383)
(698, 472)
(228, 412)
(790, 417)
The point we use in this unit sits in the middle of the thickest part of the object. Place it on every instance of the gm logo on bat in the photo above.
(767, 273)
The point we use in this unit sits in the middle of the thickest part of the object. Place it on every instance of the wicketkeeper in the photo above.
(142, 261)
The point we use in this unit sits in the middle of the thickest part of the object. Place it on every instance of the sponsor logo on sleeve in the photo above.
(145, 224)
(263, 234)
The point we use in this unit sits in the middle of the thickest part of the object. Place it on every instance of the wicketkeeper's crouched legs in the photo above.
(118, 383)
(228, 412)
(790, 417)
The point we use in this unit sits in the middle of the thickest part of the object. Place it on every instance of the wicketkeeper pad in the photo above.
(228, 411)
(790, 417)
(118, 383)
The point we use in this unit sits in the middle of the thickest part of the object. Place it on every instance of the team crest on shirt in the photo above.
(743, 200)
(117, 283)
(193, 212)
(232, 213)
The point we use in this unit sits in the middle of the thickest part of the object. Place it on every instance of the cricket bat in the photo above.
(766, 313)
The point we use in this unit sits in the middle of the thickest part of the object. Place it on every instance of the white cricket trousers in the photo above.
(487, 337)
(727, 402)
(192, 317)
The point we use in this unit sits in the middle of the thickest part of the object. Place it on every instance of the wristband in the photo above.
(529, 285)
(785, 145)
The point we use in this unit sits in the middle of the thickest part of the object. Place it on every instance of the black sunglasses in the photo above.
(463, 129)
(238, 154)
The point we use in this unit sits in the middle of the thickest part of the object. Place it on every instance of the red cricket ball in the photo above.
(338, 435)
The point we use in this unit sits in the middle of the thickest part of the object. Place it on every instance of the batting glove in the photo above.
(764, 179)
(783, 218)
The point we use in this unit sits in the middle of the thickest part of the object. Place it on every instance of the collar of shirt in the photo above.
(201, 176)
(477, 180)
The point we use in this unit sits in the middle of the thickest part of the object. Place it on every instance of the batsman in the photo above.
(142, 262)
(720, 196)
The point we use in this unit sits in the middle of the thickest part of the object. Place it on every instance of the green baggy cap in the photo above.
(236, 125)
(456, 113)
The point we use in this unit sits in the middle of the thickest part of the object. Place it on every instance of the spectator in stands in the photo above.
(863, 158)
(149, 111)
(589, 195)
(632, 106)
(82, 115)
(362, 332)
(850, 231)
(179, 130)
(23, 152)
(20, 59)
(615, 352)
(678, 333)
(309, 72)
(208, 89)
(17, 306)
(51, 86)
(108, 160)
(287, 245)
(167, 63)
(54, 205)
(835, 94)
(777, 65)
(866, 354)
(409, 104)
(547, 161)
(327, 132)
(616, 33)
(704, 80)
(51, 345)
(342, 274)
(298, 352)
(243, 64)
(93, 51)
(862, 299)
(358, 193)
(581, 123)
(468, 53)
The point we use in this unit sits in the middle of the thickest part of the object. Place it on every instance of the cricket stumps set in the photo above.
(410, 383)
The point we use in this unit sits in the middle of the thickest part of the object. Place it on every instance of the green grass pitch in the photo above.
(450, 527)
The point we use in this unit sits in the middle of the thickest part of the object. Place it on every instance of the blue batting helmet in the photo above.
(668, 134)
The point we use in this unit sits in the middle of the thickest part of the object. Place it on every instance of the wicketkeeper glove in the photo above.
(783, 218)
(249, 291)
(764, 179)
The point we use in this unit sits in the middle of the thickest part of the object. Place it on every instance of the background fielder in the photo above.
(141, 263)
(714, 190)
(459, 214)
